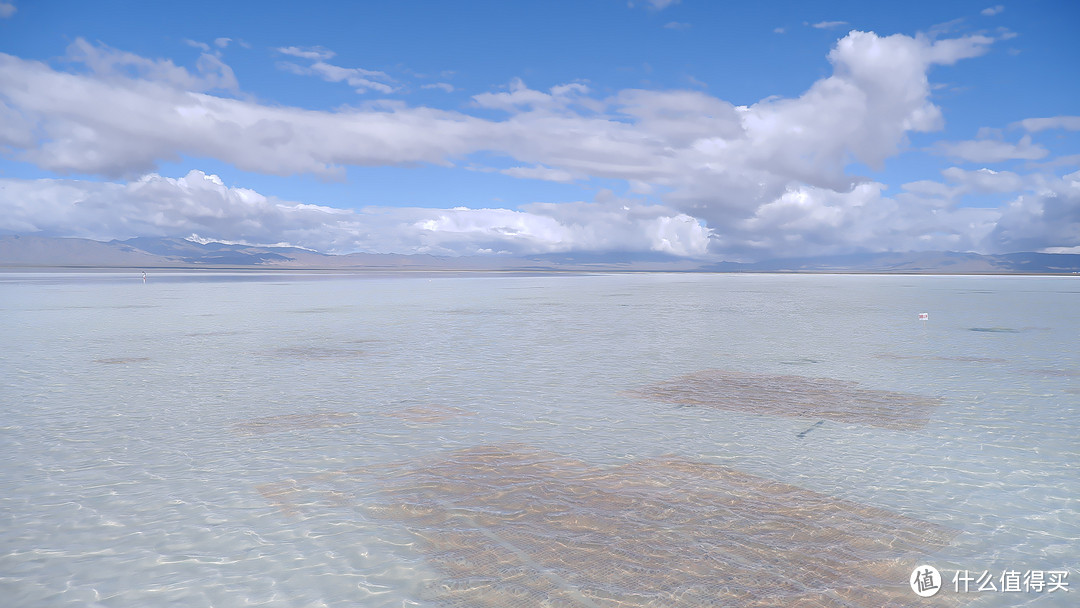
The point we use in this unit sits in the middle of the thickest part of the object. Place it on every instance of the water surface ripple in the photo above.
(595, 440)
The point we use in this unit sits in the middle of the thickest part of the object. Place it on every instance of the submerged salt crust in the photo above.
(510, 525)
(667, 440)
(795, 396)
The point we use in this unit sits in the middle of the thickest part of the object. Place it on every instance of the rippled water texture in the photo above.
(795, 396)
(510, 526)
(498, 441)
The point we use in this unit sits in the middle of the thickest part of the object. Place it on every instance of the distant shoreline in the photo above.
(169, 254)
(279, 270)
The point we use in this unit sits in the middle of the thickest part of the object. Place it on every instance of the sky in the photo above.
(715, 130)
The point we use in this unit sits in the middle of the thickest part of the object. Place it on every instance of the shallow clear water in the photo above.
(215, 439)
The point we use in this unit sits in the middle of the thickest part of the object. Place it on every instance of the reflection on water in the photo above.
(510, 525)
(212, 445)
(794, 396)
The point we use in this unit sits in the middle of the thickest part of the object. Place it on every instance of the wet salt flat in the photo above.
(490, 440)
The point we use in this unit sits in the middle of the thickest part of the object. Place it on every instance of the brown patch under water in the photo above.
(283, 494)
(794, 396)
(510, 525)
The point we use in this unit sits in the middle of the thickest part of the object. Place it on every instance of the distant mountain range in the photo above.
(158, 253)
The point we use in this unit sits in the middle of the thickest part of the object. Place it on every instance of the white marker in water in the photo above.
(144, 276)
(924, 316)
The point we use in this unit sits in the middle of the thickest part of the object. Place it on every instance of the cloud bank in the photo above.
(202, 204)
(746, 181)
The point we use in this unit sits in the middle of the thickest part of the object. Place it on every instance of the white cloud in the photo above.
(991, 11)
(676, 25)
(827, 25)
(520, 97)
(316, 53)
(202, 204)
(359, 78)
(815, 221)
(445, 86)
(684, 139)
(961, 183)
(1048, 217)
(985, 181)
(222, 42)
(990, 150)
(7, 9)
(116, 125)
(804, 220)
(950, 50)
(150, 206)
(779, 30)
(768, 174)
(1068, 123)
(108, 64)
(542, 173)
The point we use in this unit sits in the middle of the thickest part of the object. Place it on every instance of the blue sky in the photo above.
(694, 128)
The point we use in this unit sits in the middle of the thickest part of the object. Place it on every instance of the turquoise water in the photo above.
(220, 439)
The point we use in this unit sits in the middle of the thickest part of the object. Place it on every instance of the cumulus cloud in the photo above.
(1046, 218)
(811, 221)
(827, 25)
(992, 10)
(1034, 125)
(990, 150)
(1042, 214)
(203, 204)
(959, 183)
(150, 206)
(748, 179)
(611, 225)
(118, 125)
(108, 64)
(114, 123)
(7, 9)
(985, 181)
